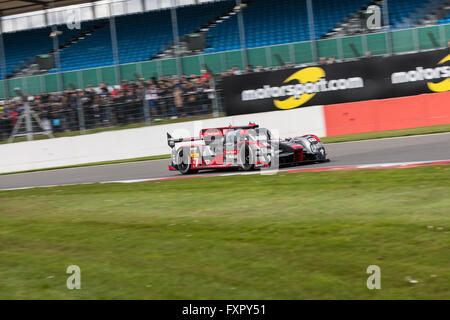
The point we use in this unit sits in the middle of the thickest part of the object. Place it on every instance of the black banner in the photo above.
(221, 309)
(365, 79)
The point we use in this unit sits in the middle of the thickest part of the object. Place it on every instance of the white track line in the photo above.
(347, 167)
(392, 138)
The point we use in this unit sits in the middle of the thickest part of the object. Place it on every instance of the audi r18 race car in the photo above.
(243, 147)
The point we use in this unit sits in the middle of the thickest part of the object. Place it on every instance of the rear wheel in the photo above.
(183, 162)
(246, 158)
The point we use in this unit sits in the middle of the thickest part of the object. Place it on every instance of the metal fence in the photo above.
(87, 109)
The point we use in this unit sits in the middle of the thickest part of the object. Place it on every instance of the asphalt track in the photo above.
(434, 147)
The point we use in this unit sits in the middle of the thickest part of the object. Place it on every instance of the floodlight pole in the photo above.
(312, 30)
(115, 47)
(176, 36)
(57, 60)
(242, 34)
(56, 52)
(388, 23)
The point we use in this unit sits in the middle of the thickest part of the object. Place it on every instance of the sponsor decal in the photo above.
(310, 82)
(372, 78)
(444, 85)
(212, 133)
(422, 74)
(195, 155)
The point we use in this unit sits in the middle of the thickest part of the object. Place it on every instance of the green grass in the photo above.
(286, 236)
(388, 134)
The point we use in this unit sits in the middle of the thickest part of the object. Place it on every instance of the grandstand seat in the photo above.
(270, 22)
(142, 35)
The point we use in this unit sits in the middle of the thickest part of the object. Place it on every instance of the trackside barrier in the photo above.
(146, 141)
(388, 114)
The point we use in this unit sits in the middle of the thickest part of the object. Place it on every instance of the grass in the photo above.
(286, 236)
(335, 139)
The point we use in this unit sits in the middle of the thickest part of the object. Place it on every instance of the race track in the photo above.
(433, 147)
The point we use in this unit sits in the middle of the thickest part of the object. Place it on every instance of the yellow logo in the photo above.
(442, 86)
(303, 76)
(195, 155)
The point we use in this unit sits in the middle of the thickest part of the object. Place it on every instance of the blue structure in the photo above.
(141, 36)
(445, 20)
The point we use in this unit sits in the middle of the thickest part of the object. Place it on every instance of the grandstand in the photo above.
(21, 47)
(271, 22)
(145, 35)
(138, 40)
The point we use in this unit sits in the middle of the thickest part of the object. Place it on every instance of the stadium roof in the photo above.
(10, 7)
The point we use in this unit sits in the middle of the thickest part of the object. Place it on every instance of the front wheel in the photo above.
(321, 155)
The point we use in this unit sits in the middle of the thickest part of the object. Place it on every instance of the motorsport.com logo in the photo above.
(420, 74)
(296, 90)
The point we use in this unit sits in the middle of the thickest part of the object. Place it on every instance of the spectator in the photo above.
(205, 76)
(122, 104)
(104, 91)
(259, 69)
(178, 100)
(5, 125)
(124, 85)
(235, 71)
(151, 96)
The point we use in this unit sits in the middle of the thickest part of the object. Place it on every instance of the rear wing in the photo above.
(171, 141)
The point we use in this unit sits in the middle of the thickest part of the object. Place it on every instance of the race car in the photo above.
(242, 147)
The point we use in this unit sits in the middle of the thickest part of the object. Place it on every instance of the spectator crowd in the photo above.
(127, 103)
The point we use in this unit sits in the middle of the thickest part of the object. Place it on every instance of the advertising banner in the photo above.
(365, 79)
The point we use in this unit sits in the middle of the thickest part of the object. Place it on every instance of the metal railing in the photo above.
(83, 110)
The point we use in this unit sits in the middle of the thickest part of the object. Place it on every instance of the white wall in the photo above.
(146, 141)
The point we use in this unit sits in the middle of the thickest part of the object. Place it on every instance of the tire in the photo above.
(246, 158)
(321, 154)
(183, 162)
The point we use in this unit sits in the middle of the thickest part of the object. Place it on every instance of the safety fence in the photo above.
(81, 110)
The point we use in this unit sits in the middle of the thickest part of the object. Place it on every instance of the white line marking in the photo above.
(314, 169)
(394, 164)
(390, 138)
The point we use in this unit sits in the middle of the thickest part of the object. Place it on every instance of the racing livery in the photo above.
(243, 147)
